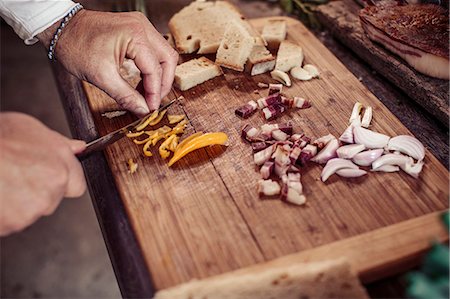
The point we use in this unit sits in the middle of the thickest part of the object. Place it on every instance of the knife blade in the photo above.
(102, 142)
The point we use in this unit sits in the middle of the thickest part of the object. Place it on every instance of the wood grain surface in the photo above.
(341, 18)
(203, 217)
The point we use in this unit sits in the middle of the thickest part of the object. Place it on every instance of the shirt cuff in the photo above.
(29, 17)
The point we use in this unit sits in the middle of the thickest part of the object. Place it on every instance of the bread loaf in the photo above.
(235, 47)
(274, 32)
(289, 55)
(194, 72)
(260, 60)
(201, 25)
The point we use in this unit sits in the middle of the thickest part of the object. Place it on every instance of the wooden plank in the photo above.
(366, 252)
(341, 19)
(203, 216)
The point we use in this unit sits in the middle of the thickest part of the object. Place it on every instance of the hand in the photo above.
(38, 168)
(94, 45)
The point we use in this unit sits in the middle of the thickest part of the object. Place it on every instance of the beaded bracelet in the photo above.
(66, 19)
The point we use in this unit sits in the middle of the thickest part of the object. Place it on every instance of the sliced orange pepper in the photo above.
(147, 121)
(189, 138)
(158, 119)
(135, 134)
(198, 142)
(146, 150)
(173, 119)
(173, 144)
(163, 149)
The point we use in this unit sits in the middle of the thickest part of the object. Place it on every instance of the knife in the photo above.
(102, 142)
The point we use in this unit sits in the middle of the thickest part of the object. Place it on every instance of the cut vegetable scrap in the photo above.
(198, 142)
(132, 166)
(146, 147)
(173, 119)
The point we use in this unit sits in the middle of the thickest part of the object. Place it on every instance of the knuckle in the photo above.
(173, 55)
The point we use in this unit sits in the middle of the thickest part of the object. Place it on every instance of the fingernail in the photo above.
(142, 110)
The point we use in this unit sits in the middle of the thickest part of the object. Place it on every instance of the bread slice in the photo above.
(201, 25)
(235, 47)
(260, 60)
(289, 55)
(194, 72)
(274, 32)
(325, 279)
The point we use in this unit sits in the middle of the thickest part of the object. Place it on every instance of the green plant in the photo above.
(304, 10)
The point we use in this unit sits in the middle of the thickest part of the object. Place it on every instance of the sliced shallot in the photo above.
(412, 169)
(350, 173)
(367, 118)
(387, 168)
(334, 165)
(327, 153)
(366, 158)
(347, 136)
(355, 112)
(370, 138)
(408, 145)
(391, 159)
(349, 151)
(322, 141)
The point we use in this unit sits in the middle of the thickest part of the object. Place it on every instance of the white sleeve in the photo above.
(30, 17)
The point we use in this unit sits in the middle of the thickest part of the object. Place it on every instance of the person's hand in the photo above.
(37, 169)
(94, 45)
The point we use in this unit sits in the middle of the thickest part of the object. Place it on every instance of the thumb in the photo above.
(77, 146)
(125, 95)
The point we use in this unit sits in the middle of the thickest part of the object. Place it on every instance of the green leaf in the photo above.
(436, 262)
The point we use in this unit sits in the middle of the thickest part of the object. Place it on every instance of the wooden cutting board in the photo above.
(203, 216)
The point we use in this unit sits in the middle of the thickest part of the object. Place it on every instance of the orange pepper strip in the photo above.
(187, 139)
(173, 119)
(173, 144)
(163, 152)
(198, 142)
(146, 148)
(135, 134)
(142, 141)
(147, 121)
(158, 119)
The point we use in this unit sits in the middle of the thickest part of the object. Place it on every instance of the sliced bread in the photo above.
(201, 25)
(324, 279)
(194, 72)
(260, 60)
(235, 47)
(289, 55)
(274, 32)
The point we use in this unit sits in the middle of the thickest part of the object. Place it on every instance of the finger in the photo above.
(151, 72)
(126, 96)
(77, 146)
(76, 183)
(168, 64)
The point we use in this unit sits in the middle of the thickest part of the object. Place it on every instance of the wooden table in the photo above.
(129, 266)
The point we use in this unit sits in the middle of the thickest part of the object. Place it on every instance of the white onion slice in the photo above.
(334, 165)
(370, 138)
(392, 159)
(387, 168)
(408, 145)
(367, 118)
(413, 169)
(349, 151)
(327, 153)
(366, 158)
(350, 172)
